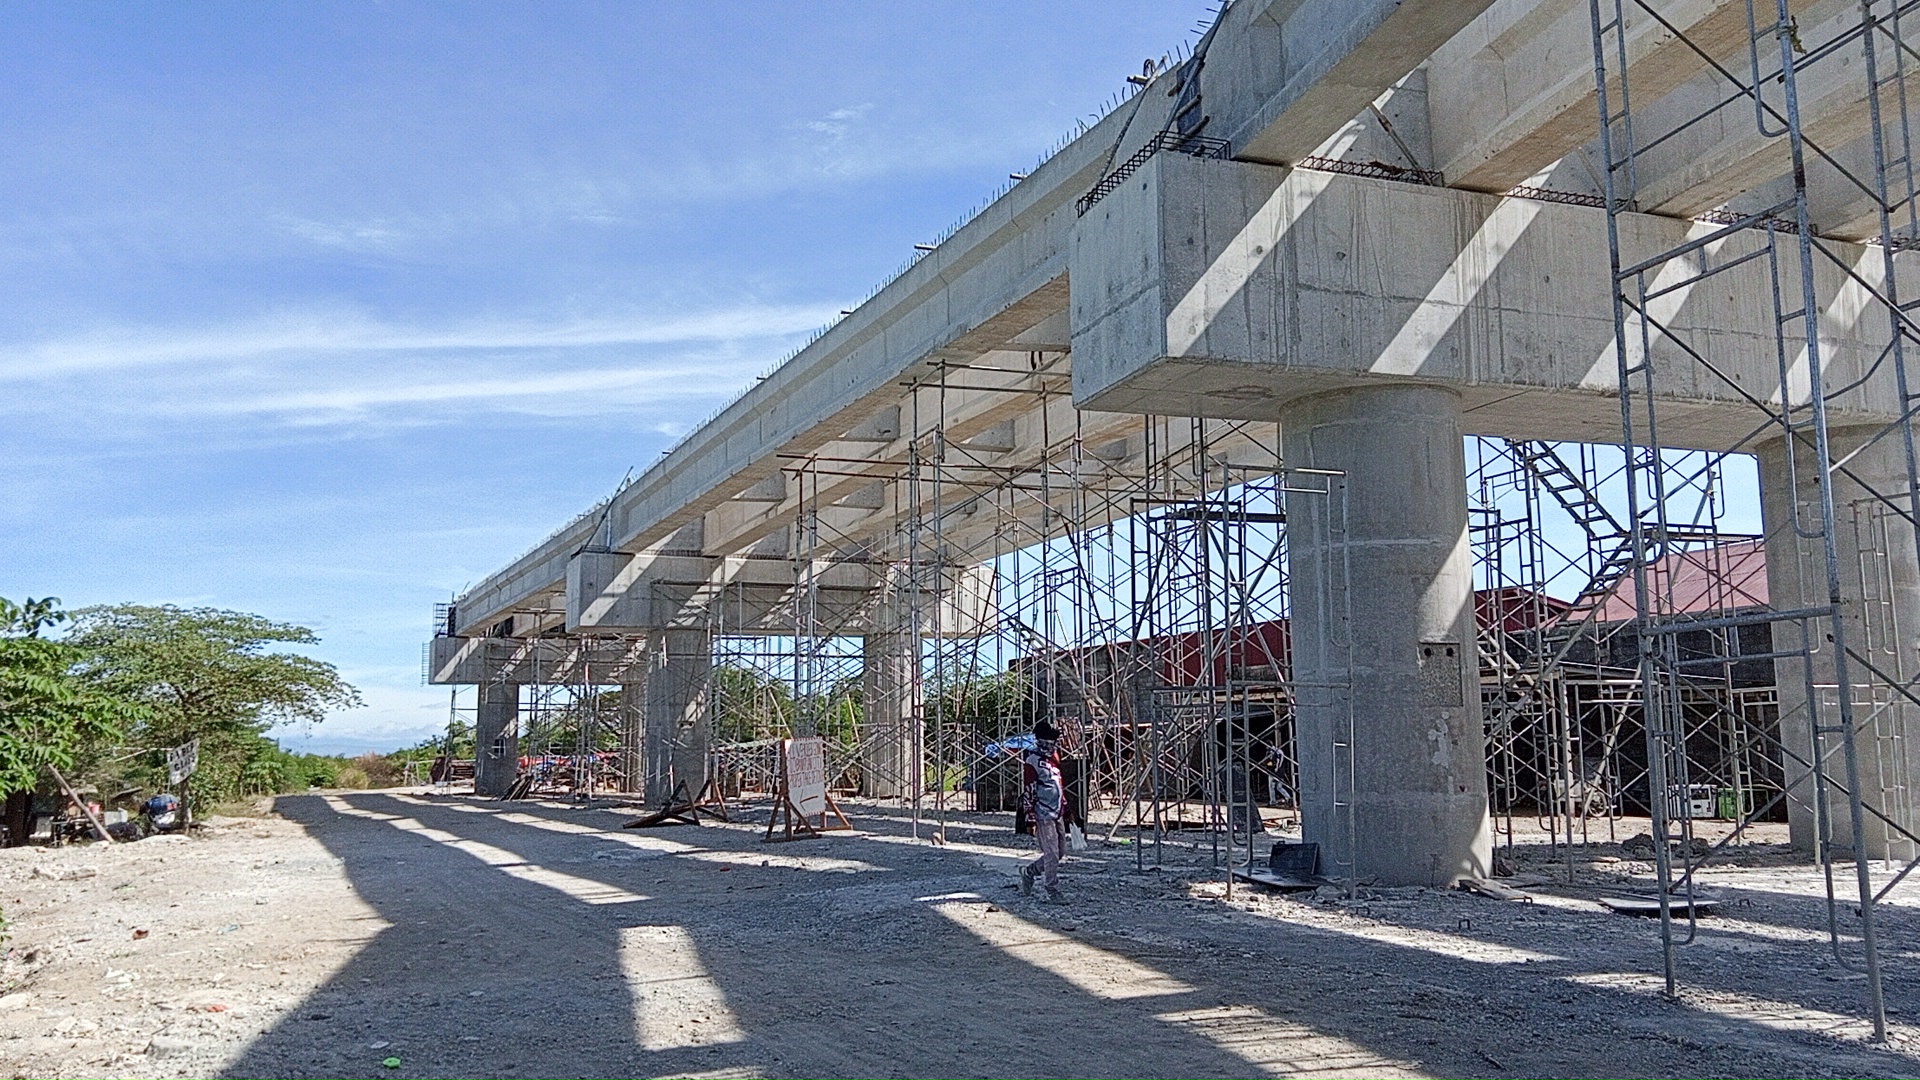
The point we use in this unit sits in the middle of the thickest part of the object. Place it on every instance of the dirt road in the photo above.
(455, 937)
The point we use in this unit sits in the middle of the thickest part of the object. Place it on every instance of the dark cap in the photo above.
(1045, 730)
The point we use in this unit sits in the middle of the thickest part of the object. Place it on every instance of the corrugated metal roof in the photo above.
(1728, 576)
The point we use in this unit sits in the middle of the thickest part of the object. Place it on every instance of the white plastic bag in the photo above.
(1076, 838)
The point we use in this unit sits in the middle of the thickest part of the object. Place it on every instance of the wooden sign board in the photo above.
(803, 790)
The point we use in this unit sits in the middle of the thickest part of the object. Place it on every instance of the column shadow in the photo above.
(812, 965)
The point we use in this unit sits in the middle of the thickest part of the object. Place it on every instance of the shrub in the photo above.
(379, 770)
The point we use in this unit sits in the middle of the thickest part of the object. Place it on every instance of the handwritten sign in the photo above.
(182, 760)
(804, 803)
(805, 762)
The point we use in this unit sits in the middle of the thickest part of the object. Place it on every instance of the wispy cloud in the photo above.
(349, 333)
(347, 236)
(840, 121)
(662, 383)
(847, 146)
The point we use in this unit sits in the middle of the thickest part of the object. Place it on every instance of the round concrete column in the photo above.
(1880, 606)
(496, 737)
(1389, 583)
(677, 725)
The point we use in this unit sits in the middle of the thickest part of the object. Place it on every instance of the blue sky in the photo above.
(323, 310)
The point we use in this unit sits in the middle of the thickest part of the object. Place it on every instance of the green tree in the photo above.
(992, 704)
(838, 711)
(976, 706)
(29, 618)
(51, 713)
(212, 675)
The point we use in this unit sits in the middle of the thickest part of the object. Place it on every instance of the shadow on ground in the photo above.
(529, 940)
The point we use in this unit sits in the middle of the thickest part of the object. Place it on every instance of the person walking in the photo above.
(1045, 798)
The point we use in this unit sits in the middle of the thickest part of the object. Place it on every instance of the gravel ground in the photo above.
(409, 934)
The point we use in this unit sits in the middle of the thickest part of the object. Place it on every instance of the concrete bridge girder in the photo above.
(615, 592)
(1281, 76)
(1514, 92)
(1004, 441)
(472, 661)
(1837, 204)
(1700, 156)
(844, 467)
(1002, 279)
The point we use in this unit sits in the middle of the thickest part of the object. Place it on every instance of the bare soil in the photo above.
(451, 936)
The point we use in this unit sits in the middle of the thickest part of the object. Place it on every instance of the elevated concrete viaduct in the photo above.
(1365, 227)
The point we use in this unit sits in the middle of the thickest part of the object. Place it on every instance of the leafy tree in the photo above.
(27, 619)
(275, 770)
(51, 714)
(992, 704)
(838, 712)
(977, 706)
(209, 674)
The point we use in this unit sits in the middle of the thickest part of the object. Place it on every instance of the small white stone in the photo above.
(166, 1046)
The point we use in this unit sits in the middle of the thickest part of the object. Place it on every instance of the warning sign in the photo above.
(806, 767)
(804, 803)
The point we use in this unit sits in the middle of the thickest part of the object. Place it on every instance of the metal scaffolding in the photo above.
(1843, 712)
(1124, 577)
(1556, 604)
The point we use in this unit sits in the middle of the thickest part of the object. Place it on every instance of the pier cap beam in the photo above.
(1219, 288)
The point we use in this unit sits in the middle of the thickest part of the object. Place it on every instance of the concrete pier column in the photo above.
(890, 685)
(678, 729)
(496, 737)
(633, 734)
(1391, 585)
(1880, 606)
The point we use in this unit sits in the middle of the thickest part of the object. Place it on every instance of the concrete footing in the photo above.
(1880, 607)
(1391, 744)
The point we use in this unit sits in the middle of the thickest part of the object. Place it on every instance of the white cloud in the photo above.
(348, 236)
(838, 122)
(394, 716)
(122, 348)
(666, 381)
